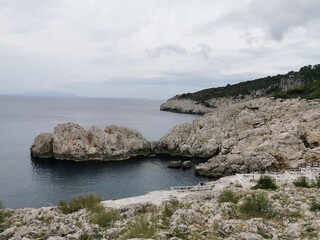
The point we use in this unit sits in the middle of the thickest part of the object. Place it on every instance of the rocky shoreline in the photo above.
(214, 213)
(256, 135)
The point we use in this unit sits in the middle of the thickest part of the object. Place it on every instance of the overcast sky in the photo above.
(151, 48)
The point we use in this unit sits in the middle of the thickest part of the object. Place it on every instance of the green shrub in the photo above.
(315, 206)
(257, 205)
(228, 196)
(265, 182)
(105, 218)
(170, 208)
(90, 202)
(140, 227)
(4, 224)
(302, 181)
(316, 183)
(2, 219)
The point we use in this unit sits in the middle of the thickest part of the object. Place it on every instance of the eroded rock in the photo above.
(70, 141)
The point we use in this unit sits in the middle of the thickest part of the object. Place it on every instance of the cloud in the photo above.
(274, 17)
(128, 47)
(203, 51)
(166, 50)
(31, 15)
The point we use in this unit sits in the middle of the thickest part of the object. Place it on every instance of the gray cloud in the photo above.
(273, 16)
(167, 50)
(202, 51)
(134, 48)
(29, 15)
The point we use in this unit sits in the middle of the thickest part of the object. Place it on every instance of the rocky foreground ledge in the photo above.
(227, 211)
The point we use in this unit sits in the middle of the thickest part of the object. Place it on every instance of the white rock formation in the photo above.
(70, 141)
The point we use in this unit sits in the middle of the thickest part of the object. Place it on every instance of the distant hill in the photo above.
(304, 83)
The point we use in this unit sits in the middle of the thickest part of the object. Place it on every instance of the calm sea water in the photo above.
(28, 183)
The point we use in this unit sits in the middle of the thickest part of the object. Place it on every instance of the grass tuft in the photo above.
(315, 206)
(257, 205)
(89, 202)
(105, 218)
(302, 181)
(228, 196)
(265, 182)
(140, 227)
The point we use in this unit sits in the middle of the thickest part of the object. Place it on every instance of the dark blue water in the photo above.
(28, 183)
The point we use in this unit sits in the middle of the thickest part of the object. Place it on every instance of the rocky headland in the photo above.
(256, 135)
(303, 83)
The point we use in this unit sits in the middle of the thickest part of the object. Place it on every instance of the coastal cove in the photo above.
(33, 183)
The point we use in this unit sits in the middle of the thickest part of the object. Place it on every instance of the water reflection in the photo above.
(111, 180)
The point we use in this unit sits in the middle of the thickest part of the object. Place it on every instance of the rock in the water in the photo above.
(174, 164)
(186, 165)
(72, 142)
(179, 164)
(42, 146)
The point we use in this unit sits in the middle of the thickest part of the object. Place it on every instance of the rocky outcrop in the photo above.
(244, 162)
(184, 106)
(255, 135)
(179, 164)
(180, 105)
(70, 141)
(42, 146)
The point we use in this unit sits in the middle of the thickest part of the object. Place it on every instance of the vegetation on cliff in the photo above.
(264, 86)
(92, 203)
(309, 90)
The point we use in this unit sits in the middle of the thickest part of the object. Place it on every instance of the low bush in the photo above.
(169, 208)
(315, 206)
(316, 183)
(228, 196)
(302, 181)
(105, 218)
(4, 217)
(140, 227)
(257, 205)
(1, 218)
(90, 202)
(265, 182)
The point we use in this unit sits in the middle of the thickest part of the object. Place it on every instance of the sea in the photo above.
(25, 182)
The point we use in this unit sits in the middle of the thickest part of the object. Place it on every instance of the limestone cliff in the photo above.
(254, 135)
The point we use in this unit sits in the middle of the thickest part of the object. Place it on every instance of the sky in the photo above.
(151, 48)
